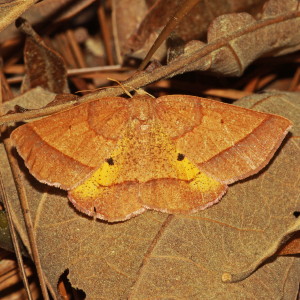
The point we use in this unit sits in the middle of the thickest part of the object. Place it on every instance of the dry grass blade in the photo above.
(5, 200)
(14, 238)
(105, 33)
(26, 212)
(27, 217)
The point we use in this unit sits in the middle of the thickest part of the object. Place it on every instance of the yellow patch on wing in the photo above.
(94, 185)
(110, 171)
(204, 183)
(188, 171)
(185, 170)
(105, 176)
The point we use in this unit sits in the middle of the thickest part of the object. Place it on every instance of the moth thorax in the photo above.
(141, 108)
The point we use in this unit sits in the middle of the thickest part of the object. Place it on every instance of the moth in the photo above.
(118, 157)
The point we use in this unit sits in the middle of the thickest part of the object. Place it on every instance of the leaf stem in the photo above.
(228, 277)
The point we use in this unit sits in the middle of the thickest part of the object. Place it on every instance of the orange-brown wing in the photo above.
(63, 149)
(230, 142)
(175, 196)
(114, 203)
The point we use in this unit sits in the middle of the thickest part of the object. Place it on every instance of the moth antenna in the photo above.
(143, 92)
(121, 85)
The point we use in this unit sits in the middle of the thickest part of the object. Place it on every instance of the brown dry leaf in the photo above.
(278, 33)
(126, 15)
(58, 10)
(52, 10)
(10, 10)
(28, 99)
(155, 255)
(43, 66)
(236, 40)
(146, 21)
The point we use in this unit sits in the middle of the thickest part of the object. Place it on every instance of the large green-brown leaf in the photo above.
(156, 255)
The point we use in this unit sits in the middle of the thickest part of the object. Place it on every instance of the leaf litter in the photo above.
(179, 256)
(156, 255)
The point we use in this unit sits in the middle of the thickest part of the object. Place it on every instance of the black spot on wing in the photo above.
(180, 157)
(296, 214)
(110, 161)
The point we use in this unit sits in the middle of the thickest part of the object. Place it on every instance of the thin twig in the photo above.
(105, 33)
(14, 237)
(10, 219)
(75, 49)
(172, 23)
(78, 72)
(17, 174)
(144, 78)
(18, 177)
